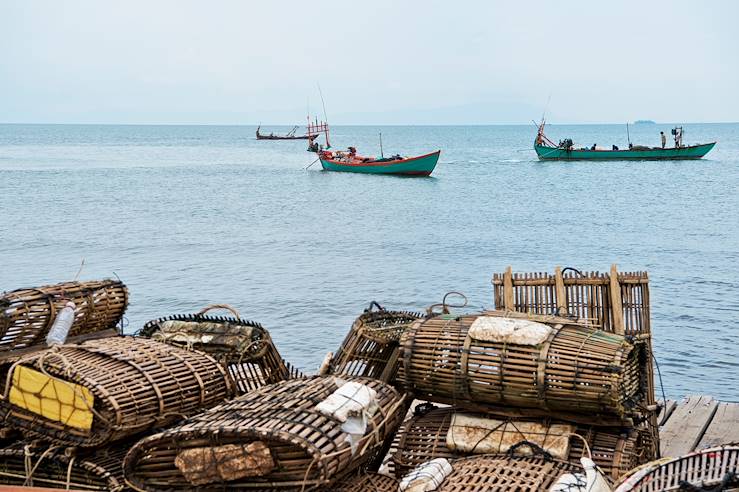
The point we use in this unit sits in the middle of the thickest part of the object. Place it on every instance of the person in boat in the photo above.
(664, 139)
(352, 152)
(615, 147)
(539, 139)
(593, 147)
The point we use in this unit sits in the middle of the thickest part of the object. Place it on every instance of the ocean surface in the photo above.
(187, 216)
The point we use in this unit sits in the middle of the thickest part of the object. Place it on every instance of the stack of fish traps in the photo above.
(244, 347)
(275, 438)
(371, 348)
(563, 364)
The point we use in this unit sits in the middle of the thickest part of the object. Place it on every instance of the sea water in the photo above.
(188, 216)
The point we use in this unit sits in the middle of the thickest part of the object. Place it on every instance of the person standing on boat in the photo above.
(664, 139)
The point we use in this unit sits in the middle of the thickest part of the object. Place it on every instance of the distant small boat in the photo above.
(566, 150)
(422, 165)
(644, 122)
(288, 136)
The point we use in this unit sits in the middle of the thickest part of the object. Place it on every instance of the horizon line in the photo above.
(380, 124)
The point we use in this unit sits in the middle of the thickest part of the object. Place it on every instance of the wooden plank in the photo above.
(508, 290)
(618, 313)
(724, 427)
(665, 411)
(559, 286)
(685, 428)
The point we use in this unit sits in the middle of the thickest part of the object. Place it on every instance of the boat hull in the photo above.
(413, 166)
(554, 153)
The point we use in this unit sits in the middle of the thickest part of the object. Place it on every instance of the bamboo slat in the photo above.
(499, 473)
(136, 384)
(371, 347)
(27, 314)
(424, 437)
(707, 469)
(44, 465)
(577, 369)
(308, 448)
(244, 347)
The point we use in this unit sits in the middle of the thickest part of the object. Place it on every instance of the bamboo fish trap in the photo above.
(614, 302)
(502, 473)
(371, 347)
(27, 314)
(244, 347)
(44, 465)
(104, 390)
(274, 438)
(551, 364)
(425, 437)
(707, 469)
(365, 482)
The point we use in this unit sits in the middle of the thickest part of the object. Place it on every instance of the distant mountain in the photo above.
(644, 122)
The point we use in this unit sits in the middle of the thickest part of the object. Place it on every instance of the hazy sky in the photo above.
(377, 61)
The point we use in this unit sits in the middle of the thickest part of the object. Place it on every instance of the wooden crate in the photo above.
(36, 464)
(501, 473)
(371, 347)
(26, 315)
(244, 347)
(307, 447)
(424, 437)
(708, 469)
(135, 384)
(585, 374)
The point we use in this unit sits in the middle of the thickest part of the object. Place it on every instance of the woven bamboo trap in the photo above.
(550, 363)
(425, 437)
(273, 438)
(365, 482)
(103, 390)
(371, 346)
(493, 473)
(708, 469)
(244, 347)
(44, 465)
(27, 314)
(615, 302)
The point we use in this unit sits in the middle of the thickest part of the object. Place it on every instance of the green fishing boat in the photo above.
(422, 165)
(566, 150)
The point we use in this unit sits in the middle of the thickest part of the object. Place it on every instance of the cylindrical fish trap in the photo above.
(244, 347)
(707, 469)
(299, 434)
(371, 347)
(519, 361)
(504, 472)
(103, 390)
(452, 433)
(36, 464)
(27, 314)
(365, 482)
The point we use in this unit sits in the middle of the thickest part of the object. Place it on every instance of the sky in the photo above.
(377, 61)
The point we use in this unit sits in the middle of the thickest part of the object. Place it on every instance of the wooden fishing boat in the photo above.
(288, 136)
(422, 165)
(566, 150)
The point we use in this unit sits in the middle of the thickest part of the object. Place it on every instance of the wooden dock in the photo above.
(697, 422)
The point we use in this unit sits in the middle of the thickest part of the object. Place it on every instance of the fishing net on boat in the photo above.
(299, 434)
(453, 433)
(371, 347)
(244, 347)
(38, 464)
(513, 361)
(27, 314)
(102, 390)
